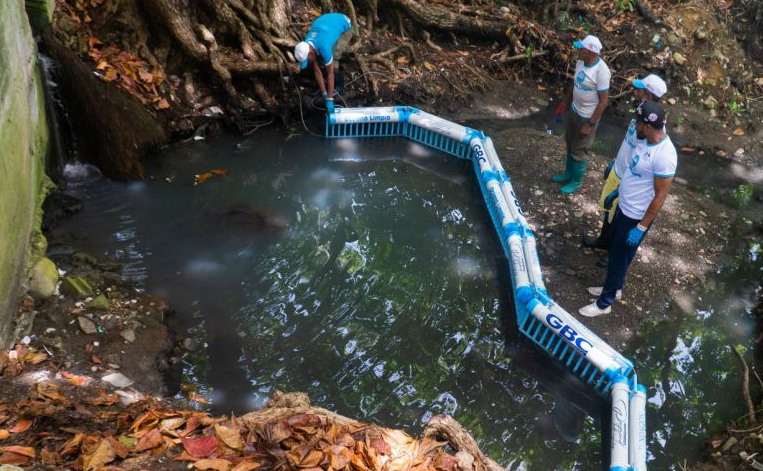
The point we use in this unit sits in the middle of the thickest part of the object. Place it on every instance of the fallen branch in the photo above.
(746, 386)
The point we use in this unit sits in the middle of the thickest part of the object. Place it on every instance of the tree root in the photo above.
(403, 453)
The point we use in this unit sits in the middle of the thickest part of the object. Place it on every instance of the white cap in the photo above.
(653, 83)
(301, 50)
(590, 42)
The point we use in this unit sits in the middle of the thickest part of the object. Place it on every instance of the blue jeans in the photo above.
(620, 257)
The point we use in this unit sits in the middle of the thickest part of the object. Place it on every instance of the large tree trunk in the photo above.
(440, 18)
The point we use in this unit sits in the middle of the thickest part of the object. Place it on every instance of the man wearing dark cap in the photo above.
(643, 190)
(649, 88)
(588, 96)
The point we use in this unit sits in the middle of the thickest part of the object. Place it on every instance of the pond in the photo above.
(367, 274)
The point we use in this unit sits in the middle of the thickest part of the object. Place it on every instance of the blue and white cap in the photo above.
(654, 84)
(590, 42)
(301, 50)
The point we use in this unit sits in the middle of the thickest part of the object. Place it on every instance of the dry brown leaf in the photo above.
(429, 66)
(8, 457)
(248, 466)
(339, 456)
(103, 454)
(35, 358)
(152, 439)
(381, 446)
(27, 451)
(21, 426)
(163, 104)
(50, 457)
(119, 448)
(72, 445)
(214, 464)
(280, 431)
(738, 132)
(4, 434)
(230, 437)
(50, 391)
(200, 447)
(687, 149)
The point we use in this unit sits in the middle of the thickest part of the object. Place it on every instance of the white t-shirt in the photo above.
(588, 83)
(626, 150)
(637, 185)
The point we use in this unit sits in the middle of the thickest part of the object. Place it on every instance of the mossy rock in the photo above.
(77, 287)
(44, 279)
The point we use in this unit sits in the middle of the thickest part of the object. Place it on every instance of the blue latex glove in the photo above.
(610, 199)
(330, 105)
(634, 236)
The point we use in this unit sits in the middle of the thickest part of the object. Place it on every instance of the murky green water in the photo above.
(375, 284)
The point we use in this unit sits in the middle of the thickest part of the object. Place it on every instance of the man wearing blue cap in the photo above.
(588, 95)
(643, 190)
(649, 88)
(328, 37)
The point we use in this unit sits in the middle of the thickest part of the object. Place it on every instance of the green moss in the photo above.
(24, 140)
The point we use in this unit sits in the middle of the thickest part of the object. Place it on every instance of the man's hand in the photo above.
(585, 130)
(560, 111)
(635, 235)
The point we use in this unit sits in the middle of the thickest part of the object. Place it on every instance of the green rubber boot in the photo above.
(565, 177)
(578, 174)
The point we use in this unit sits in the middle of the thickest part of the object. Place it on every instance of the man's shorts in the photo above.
(578, 145)
(612, 183)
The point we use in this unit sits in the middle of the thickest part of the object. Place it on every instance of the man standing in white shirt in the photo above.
(649, 88)
(589, 94)
(643, 190)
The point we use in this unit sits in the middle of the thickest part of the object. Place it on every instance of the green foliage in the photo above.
(735, 107)
(742, 195)
(626, 5)
(680, 119)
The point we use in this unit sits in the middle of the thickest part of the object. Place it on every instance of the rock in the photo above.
(85, 258)
(672, 101)
(99, 302)
(10, 467)
(700, 33)
(87, 325)
(570, 272)
(117, 380)
(190, 345)
(538, 192)
(541, 102)
(44, 279)
(128, 335)
(578, 214)
(679, 58)
(684, 216)
(739, 152)
(713, 113)
(77, 287)
(710, 103)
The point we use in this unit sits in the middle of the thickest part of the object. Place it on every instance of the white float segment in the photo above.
(522, 287)
(637, 429)
(439, 125)
(619, 443)
(387, 114)
(568, 328)
(489, 178)
(533, 263)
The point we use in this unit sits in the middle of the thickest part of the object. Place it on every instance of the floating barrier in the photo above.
(539, 318)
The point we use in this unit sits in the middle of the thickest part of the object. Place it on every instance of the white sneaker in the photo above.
(592, 310)
(596, 291)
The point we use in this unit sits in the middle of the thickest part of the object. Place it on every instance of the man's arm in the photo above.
(330, 75)
(319, 76)
(603, 102)
(661, 187)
